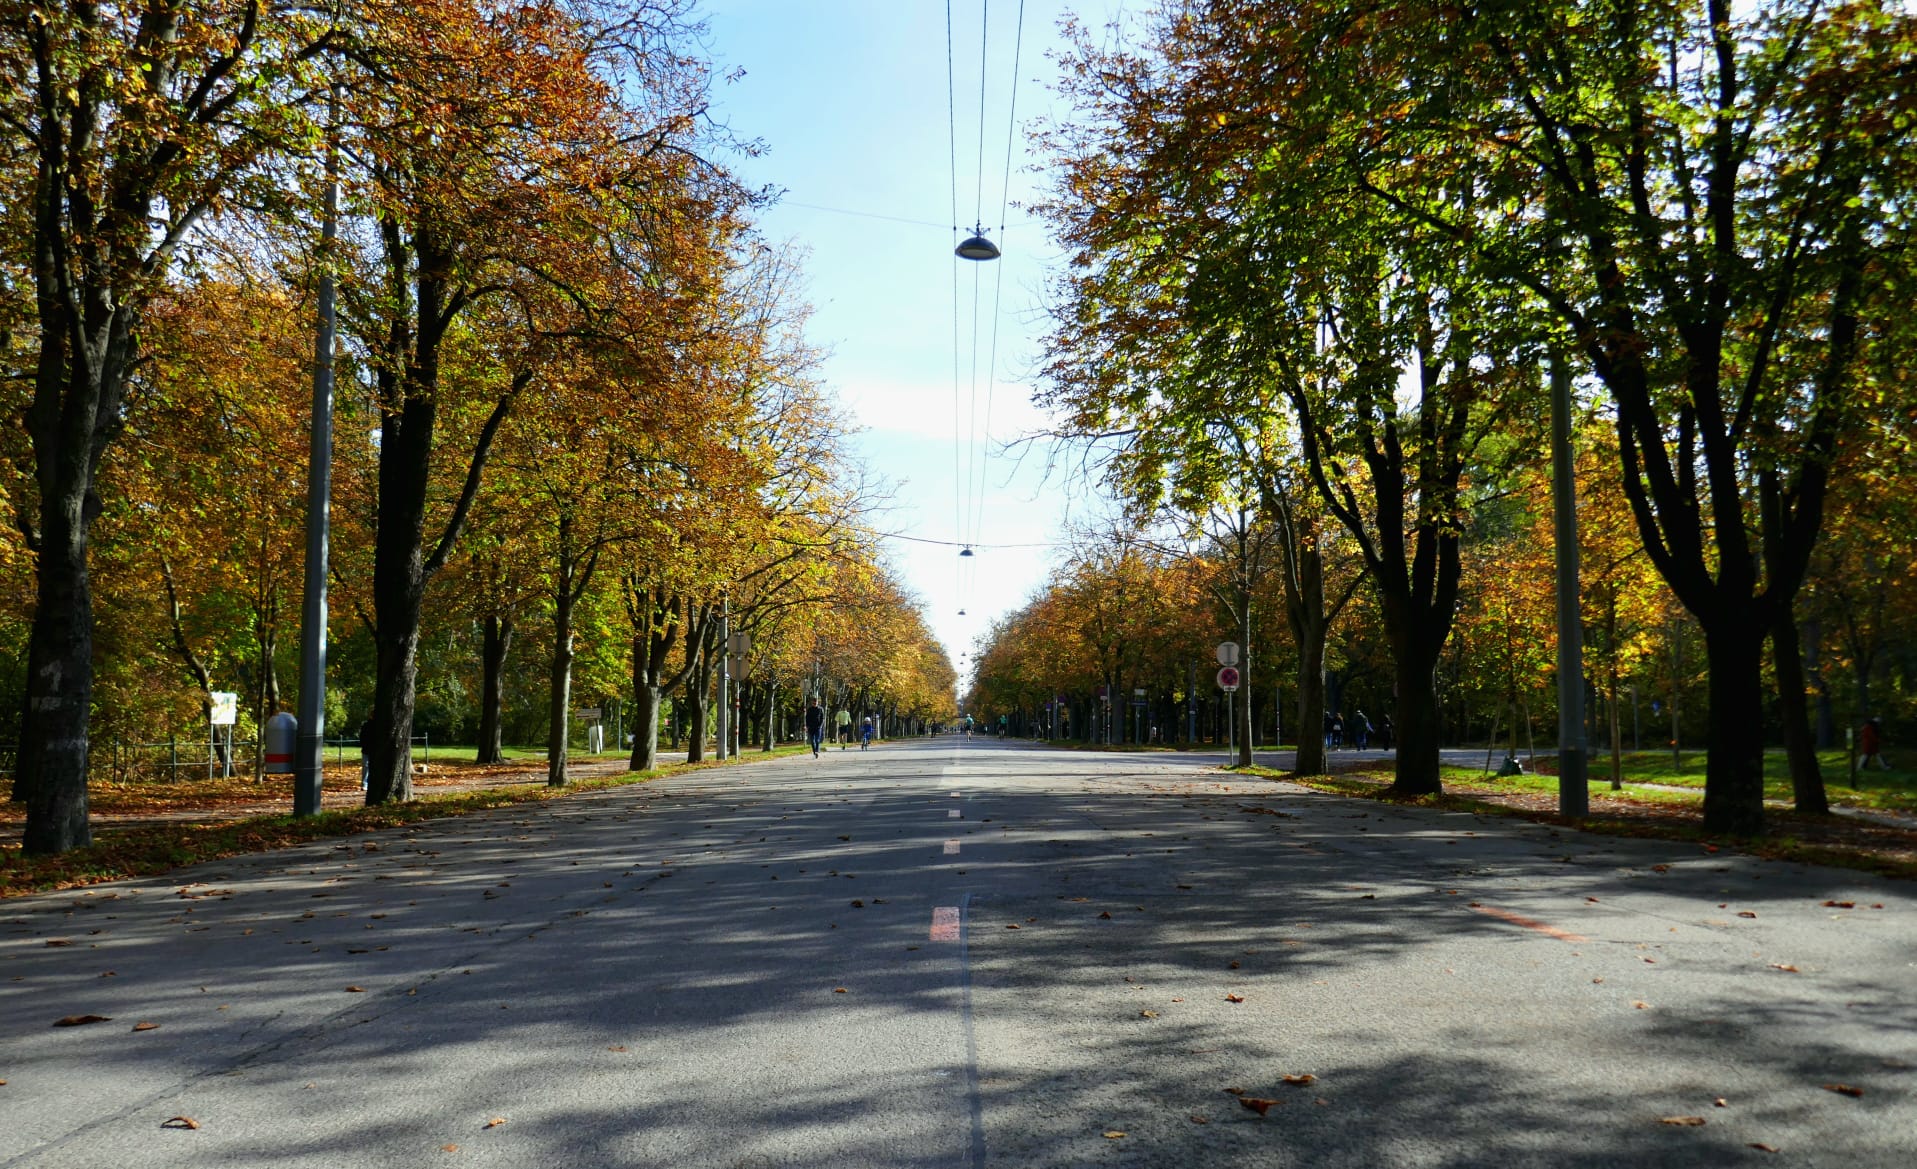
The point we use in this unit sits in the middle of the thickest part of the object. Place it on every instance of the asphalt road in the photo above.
(965, 954)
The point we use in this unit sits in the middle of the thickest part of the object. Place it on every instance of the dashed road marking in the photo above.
(953, 813)
(951, 848)
(945, 923)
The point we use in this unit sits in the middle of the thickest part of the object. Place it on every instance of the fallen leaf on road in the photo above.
(146, 1026)
(1234, 998)
(1761, 1147)
(1660, 868)
(858, 905)
(1592, 900)
(1642, 1006)
(1689, 1121)
(59, 941)
(355, 990)
(179, 1122)
(1236, 1091)
(1148, 1014)
(1829, 904)
(1745, 913)
(1106, 916)
(80, 1020)
(617, 1047)
(1013, 926)
(1197, 1119)
(1843, 1089)
(845, 838)
(838, 990)
(1304, 1078)
(449, 1148)
(1234, 963)
(1598, 979)
(1720, 1102)
(1257, 1104)
(1113, 1134)
(1784, 966)
(495, 1122)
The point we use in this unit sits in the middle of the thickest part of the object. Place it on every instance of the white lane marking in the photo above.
(945, 923)
(953, 813)
(951, 848)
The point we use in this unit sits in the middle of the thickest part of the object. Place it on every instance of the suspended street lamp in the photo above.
(976, 246)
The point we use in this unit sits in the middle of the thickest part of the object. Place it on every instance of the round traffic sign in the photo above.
(1228, 678)
(1227, 653)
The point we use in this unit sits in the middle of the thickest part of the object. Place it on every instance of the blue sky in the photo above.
(849, 98)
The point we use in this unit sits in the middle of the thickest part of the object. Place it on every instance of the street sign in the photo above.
(226, 708)
(740, 644)
(1228, 677)
(590, 713)
(1139, 693)
(1227, 653)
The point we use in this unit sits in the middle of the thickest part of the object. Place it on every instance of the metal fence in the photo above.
(120, 761)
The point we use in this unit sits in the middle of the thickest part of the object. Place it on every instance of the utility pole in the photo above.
(309, 749)
(1574, 796)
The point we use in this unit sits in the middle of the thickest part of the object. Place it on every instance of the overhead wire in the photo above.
(998, 287)
(958, 454)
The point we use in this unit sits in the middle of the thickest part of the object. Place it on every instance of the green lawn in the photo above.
(1894, 790)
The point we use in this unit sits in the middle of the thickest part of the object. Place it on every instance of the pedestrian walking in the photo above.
(1361, 730)
(1870, 745)
(1384, 733)
(1338, 730)
(1327, 730)
(843, 734)
(865, 733)
(365, 759)
(814, 726)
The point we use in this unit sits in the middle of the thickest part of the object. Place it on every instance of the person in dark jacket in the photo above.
(814, 726)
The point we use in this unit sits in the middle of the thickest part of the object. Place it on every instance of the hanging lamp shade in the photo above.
(977, 247)
(967, 552)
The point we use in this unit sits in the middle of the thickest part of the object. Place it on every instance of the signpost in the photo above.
(224, 711)
(1228, 680)
(1227, 653)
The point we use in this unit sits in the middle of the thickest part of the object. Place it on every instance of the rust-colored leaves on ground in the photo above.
(179, 1122)
(1745, 913)
(59, 941)
(1786, 967)
(1827, 905)
(617, 1047)
(858, 905)
(81, 1020)
(1198, 1118)
(1234, 998)
(355, 990)
(449, 1148)
(1148, 1014)
(1761, 1147)
(1257, 1104)
(1114, 1134)
(1685, 1121)
(146, 1026)
(1012, 926)
(1720, 1102)
(495, 1122)
(1107, 915)
(1641, 1005)
(838, 990)
(1301, 1078)
(1843, 1089)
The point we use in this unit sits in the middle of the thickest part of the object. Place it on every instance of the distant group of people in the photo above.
(815, 728)
(1356, 732)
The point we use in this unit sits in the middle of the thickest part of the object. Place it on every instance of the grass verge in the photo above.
(1834, 841)
(158, 848)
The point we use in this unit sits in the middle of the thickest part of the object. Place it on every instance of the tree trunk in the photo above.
(495, 644)
(1734, 775)
(1418, 733)
(697, 695)
(1807, 778)
(645, 725)
(559, 717)
(1310, 632)
(50, 770)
